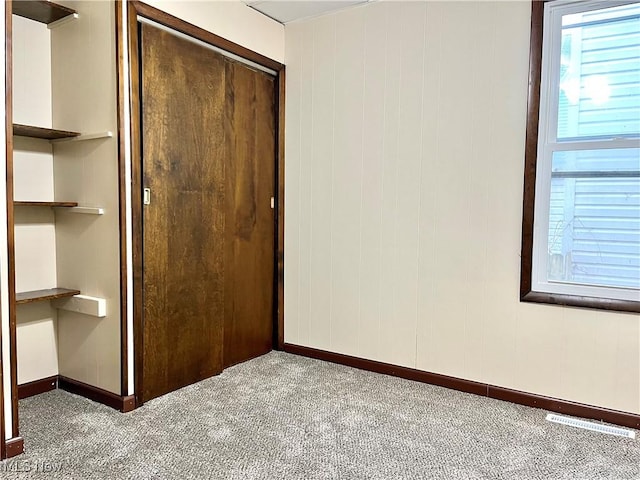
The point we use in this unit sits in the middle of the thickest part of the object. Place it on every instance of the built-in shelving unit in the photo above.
(45, 204)
(42, 133)
(42, 11)
(42, 295)
(54, 242)
(52, 14)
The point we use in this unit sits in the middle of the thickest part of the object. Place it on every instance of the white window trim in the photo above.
(547, 143)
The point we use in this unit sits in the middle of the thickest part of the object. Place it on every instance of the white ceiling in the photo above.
(287, 11)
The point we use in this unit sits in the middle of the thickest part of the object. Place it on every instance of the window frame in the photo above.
(527, 294)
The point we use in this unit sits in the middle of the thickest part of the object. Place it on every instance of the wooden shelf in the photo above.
(41, 295)
(45, 204)
(41, 10)
(43, 133)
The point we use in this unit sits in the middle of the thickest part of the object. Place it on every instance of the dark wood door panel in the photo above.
(249, 232)
(183, 87)
(209, 152)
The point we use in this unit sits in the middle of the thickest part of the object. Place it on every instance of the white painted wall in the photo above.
(37, 342)
(405, 129)
(35, 254)
(233, 20)
(31, 72)
(35, 240)
(84, 86)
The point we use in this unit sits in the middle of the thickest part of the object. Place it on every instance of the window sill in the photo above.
(579, 301)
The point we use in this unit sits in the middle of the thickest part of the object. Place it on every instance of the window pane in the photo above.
(594, 218)
(605, 160)
(600, 74)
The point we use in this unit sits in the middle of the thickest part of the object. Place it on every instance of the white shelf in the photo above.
(85, 210)
(62, 21)
(84, 136)
(93, 306)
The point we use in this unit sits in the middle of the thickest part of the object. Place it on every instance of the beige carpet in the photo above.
(287, 417)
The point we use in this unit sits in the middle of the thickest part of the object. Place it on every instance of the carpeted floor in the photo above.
(287, 417)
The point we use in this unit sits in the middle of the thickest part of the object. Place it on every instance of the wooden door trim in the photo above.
(122, 202)
(205, 36)
(279, 227)
(136, 201)
(135, 9)
(13, 367)
(8, 152)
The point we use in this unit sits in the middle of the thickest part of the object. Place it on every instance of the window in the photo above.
(581, 222)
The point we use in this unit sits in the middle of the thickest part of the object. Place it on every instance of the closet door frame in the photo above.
(137, 9)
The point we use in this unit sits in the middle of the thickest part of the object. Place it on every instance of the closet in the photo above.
(64, 200)
(208, 127)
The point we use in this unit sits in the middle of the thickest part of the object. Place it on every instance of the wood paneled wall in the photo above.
(405, 130)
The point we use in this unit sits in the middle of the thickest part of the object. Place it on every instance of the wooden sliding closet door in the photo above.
(208, 156)
(249, 258)
(183, 151)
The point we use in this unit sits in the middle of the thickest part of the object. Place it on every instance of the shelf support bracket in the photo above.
(84, 136)
(94, 306)
(62, 21)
